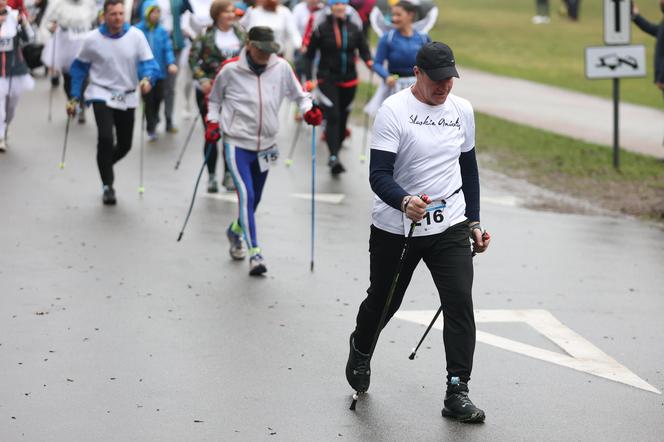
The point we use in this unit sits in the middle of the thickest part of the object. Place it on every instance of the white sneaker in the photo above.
(257, 265)
(541, 20)
(237, 249)
(3, 145)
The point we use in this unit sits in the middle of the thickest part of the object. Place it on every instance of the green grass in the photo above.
(497, 36)
(574, 167)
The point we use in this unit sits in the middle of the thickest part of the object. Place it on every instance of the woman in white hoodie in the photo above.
(244, 105)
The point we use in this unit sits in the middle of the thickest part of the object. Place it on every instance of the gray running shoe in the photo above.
(237, 250)
(213, 187)
(257, 265)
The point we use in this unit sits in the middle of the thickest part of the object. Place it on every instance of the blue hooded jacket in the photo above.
(158, 39)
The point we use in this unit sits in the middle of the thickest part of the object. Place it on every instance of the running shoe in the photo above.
(358, 369)
(213, 187)
(152, 137)
(237, 249)
(170, 127)
(228, 182)
(459, 406)
(257, 265)
(109, 196)
(335, 165)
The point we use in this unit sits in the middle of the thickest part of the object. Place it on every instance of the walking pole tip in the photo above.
(412, 355)
(141, 190)
(288, 162)
(180, 235)
(61, 165)
(354, 402)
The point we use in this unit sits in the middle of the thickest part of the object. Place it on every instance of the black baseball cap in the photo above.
(262, 38)
(436, 59)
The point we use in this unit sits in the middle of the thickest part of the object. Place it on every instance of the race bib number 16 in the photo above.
(434, 221)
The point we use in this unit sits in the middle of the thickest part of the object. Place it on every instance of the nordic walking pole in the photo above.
(365, 147)
(313, 193)
(186, 143)
(412, 355)
(193, 198)
(485, 236)
(388, 301)
(141, 189)
(289, 160)
(51, 92)
(64, 146)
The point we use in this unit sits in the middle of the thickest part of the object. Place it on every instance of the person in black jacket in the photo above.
(338, 40)
(656, 31)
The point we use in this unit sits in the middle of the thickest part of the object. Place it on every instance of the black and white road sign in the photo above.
(617, 18)
(615, 61)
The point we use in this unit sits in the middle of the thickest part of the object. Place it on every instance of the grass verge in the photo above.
(574, 167)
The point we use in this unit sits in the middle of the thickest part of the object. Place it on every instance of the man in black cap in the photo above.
(243, 105)
(423, 144)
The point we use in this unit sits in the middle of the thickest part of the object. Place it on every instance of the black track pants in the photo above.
(336, 112)
(153, 101)
(214, 153)
(108, 151)
(448, 257)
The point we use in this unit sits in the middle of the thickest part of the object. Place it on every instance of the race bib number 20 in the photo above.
(434, 221)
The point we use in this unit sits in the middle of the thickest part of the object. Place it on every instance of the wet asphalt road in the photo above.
(111, 330)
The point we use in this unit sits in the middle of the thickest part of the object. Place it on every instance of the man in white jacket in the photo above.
(244, 105)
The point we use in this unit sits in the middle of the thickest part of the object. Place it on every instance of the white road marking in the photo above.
(581, 355)
(330, 198)
(230, 197)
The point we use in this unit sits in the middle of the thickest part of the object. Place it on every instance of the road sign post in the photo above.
(616, 60)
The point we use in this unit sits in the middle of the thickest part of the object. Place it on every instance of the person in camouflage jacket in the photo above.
(221, 41)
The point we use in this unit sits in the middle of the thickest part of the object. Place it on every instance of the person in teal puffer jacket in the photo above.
(162, 48)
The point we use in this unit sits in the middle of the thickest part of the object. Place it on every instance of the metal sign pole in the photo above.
(616, 124)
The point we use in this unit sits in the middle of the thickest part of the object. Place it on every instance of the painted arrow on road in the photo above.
(581, 355)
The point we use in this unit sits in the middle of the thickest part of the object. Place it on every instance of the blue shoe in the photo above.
(237, 249)
(257, 265)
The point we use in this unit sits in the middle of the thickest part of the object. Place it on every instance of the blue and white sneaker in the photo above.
(237, 250)
(257, 265)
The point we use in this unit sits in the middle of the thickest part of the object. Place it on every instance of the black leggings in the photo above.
(214, 153)
(336, 112)
(448, 257)
(152, 104)
(108, 152)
